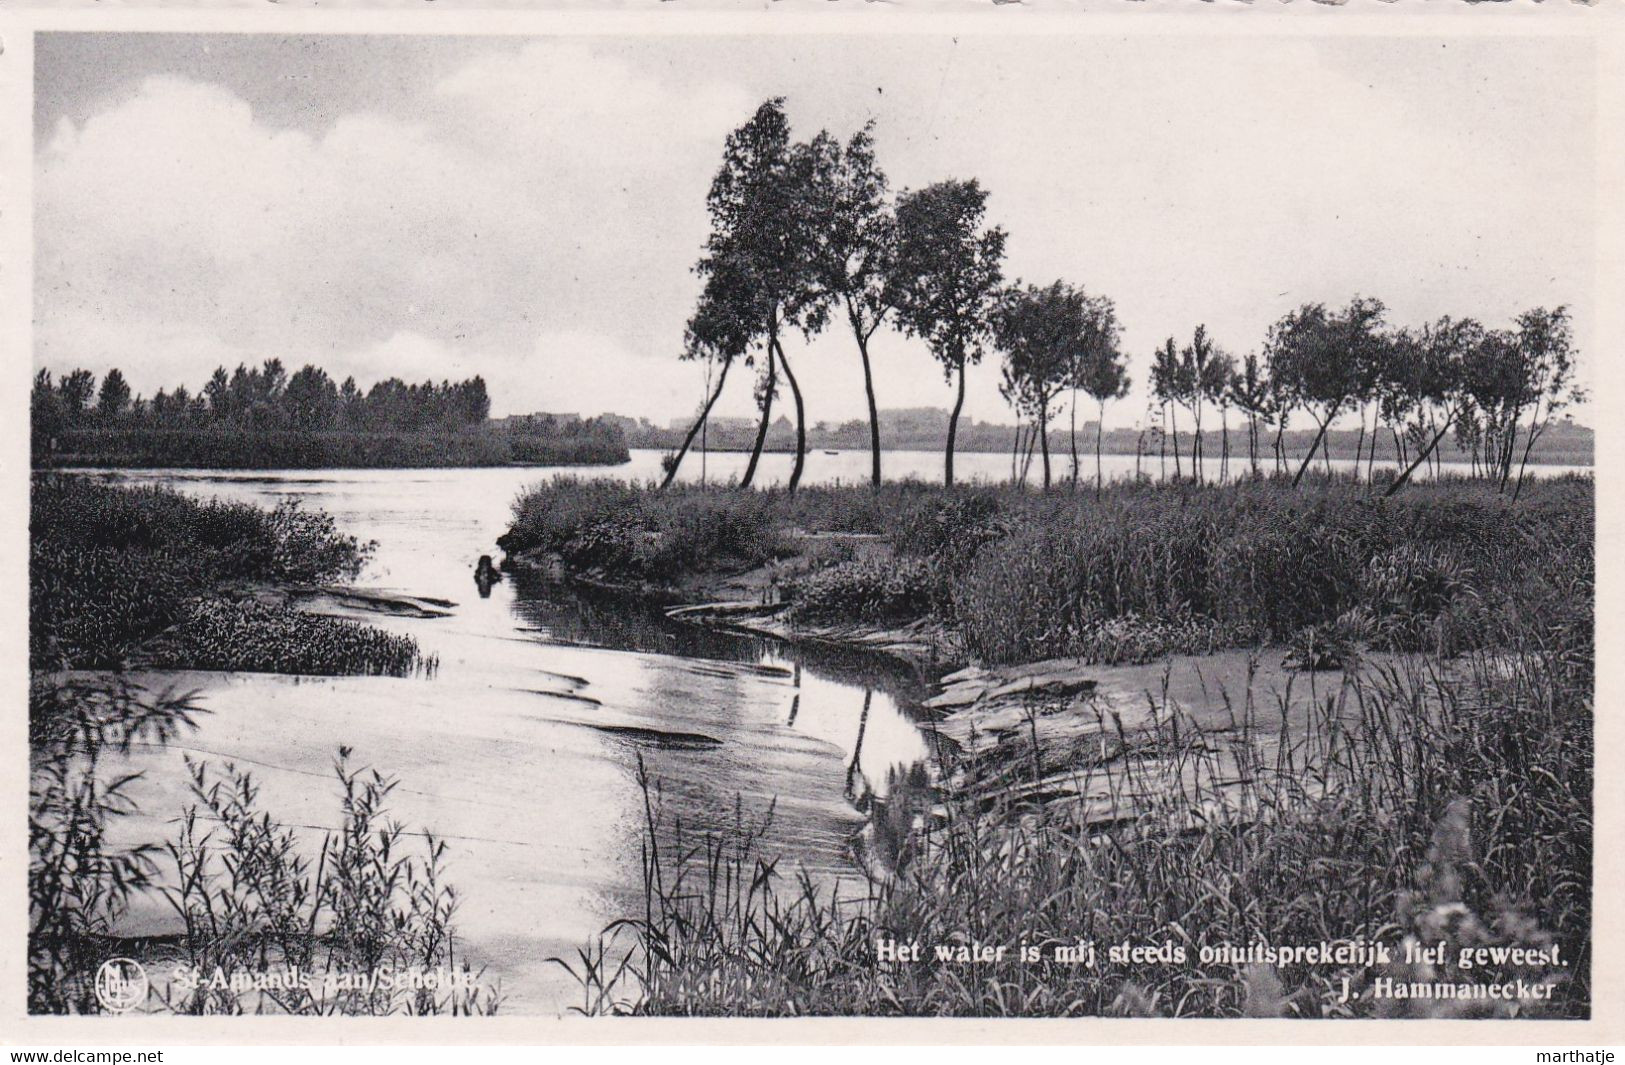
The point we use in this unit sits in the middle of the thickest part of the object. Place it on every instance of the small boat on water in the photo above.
(827, 451)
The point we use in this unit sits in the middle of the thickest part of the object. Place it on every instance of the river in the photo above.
(521, 750)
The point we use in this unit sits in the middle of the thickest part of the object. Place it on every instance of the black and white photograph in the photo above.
(837, 524)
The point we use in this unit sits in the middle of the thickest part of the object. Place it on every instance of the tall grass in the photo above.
(1142, 571)
(1419, 805)
(251, 894)
(1444, 796)
(258, 637)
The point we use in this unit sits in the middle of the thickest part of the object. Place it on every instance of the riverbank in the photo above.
(1143, 571)
(1193, 718)
(136, 577)
(234, 449)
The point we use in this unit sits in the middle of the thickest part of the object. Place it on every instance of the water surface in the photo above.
(522, 750)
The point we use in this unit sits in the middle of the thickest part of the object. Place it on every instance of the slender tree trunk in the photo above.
(953, 429)
(1015, 452)
(1319, 436)
(1404, 478)
(1224, 446)
(1371, 458)
(1043, 443)
(1179, 474)
(1162, 446)
(761, 430)
(1027, 456)
(874, 414)
(1072, 415)
(705, 413)
(1280, 446)
(1196, 443)
(1535, 429)
(1359, 444)
(801, 419)
(1100, 470)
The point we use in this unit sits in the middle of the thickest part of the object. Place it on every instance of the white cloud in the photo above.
(533, 214)
(174, 211)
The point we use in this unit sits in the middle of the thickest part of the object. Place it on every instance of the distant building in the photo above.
(568, 418)
(906, 421)
(717, 422)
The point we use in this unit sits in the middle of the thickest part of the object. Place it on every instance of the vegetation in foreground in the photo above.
(142, 576)
(1423, 804)
(1139, 572)
(118, 575)
(1445, 798)
(250, 894)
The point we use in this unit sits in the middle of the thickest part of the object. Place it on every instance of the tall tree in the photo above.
(76, 391)
(762, 242)
(1102, 373)
(1204, 371)
(1251, 394)
(719, 333)
(218, 392)
(1319, 358)
(311, 399)
(1169, 385)
(114, 397)
(1423, 388)
(946, 280)
(44, 409)
(856, 235)
(1546, 345)
(1039, 330)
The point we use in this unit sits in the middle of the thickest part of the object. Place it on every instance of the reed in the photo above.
(1423, 801)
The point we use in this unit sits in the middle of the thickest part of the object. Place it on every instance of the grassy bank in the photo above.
(119, 573)
(1415, 811)
(1144, 570)
(1441, 796)
(234, 449)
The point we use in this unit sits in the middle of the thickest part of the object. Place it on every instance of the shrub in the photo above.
(866, 590)
(639, 534)
(248, 897)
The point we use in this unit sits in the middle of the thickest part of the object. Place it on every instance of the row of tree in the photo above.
(1497, 390)
(807, 233)
(262, 398)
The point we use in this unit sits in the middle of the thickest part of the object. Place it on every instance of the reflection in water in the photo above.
(524, 749)
(837, 686)
(485, 575)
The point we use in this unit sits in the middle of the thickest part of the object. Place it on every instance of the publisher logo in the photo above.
(121, 985)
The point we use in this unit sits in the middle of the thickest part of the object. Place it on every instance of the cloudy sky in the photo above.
(530, 209)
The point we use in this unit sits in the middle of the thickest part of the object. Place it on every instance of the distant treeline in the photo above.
(262, 418)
